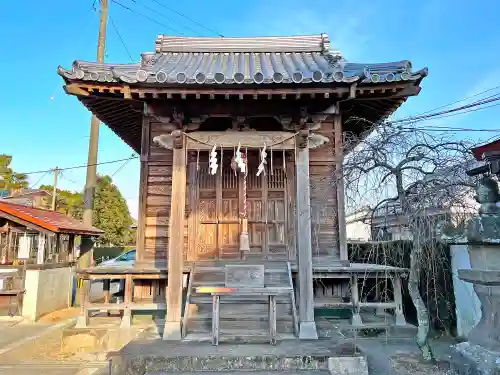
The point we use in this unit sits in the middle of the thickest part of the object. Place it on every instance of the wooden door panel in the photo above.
(207, 241)
(276, 221)
(220, 205)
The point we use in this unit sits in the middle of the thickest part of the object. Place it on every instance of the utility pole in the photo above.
(86, 245)
(94, 127)
(54, 189)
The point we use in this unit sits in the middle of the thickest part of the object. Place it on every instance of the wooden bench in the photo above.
(362, 271)
(248, 281)
(128, 276)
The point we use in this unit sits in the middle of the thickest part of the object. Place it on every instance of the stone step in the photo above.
(196, 354)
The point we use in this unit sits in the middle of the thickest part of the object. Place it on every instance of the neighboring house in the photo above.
(35, 198)
(45, 242)
(388, 223)
(357, 225)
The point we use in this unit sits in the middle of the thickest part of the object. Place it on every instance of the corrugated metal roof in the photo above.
(50, 220)
(478, 151)
(188, 60)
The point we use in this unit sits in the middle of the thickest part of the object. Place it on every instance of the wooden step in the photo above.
(203, 316)
(237, 337)
(207, 299)
(245, 309)
(231, 325)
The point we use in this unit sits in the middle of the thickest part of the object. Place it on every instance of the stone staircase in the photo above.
(242, 318)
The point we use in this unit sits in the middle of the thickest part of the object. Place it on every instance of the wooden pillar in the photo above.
(143, 187)
(307, 328)
(176, 240)
(339, 160)
(40, 257)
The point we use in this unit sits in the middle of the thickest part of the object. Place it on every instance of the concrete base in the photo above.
(400, 320)
(356, 320)
(308, 357)
(307, 331)
(348, 365)
(82, 321)
(172, 331)
(470, 359)
(126, 320)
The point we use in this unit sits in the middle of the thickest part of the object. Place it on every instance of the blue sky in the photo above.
(43, 128)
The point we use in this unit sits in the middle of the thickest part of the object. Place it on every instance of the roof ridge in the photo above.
(33, 208)
(297, 43)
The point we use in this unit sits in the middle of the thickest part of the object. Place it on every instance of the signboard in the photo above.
(241, 276)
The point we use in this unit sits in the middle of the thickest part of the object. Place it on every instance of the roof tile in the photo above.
(50, 220)
(266, 60)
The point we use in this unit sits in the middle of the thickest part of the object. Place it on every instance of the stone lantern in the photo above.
(481, 353)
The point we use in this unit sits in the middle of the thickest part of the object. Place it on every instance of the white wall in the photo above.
(467, 305)
(358, 230)
(47, 291)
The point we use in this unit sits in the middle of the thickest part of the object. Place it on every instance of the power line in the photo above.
(121, 167)
(63, 176)
(188, 18)
(458, 101)
(121, 39)
(453, 110)
(142, 15)
(40, 179)
(83, 165)
(164, 16)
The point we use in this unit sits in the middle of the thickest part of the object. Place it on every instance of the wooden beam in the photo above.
(176, 241)
(143, 184)
(304, 241)
(75, 89)
(339, 160)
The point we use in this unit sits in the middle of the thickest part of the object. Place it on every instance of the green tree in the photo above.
(111, 213)
(10, 180)
(68, 202)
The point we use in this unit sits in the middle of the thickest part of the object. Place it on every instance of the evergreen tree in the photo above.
(67, 202)
(111, 213)
(10, 180)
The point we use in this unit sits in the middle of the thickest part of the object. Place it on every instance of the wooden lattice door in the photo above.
(267, 215)
(218, 204)
(218, 215)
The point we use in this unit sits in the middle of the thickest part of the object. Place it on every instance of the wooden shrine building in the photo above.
(241, 149)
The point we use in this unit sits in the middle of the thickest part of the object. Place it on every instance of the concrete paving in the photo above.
(13, 332)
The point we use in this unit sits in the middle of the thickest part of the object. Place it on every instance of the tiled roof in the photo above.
(265, 60)
(50, 220)
(27, 192)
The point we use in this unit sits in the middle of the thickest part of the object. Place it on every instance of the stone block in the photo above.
(348, 365)
(470, 359)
